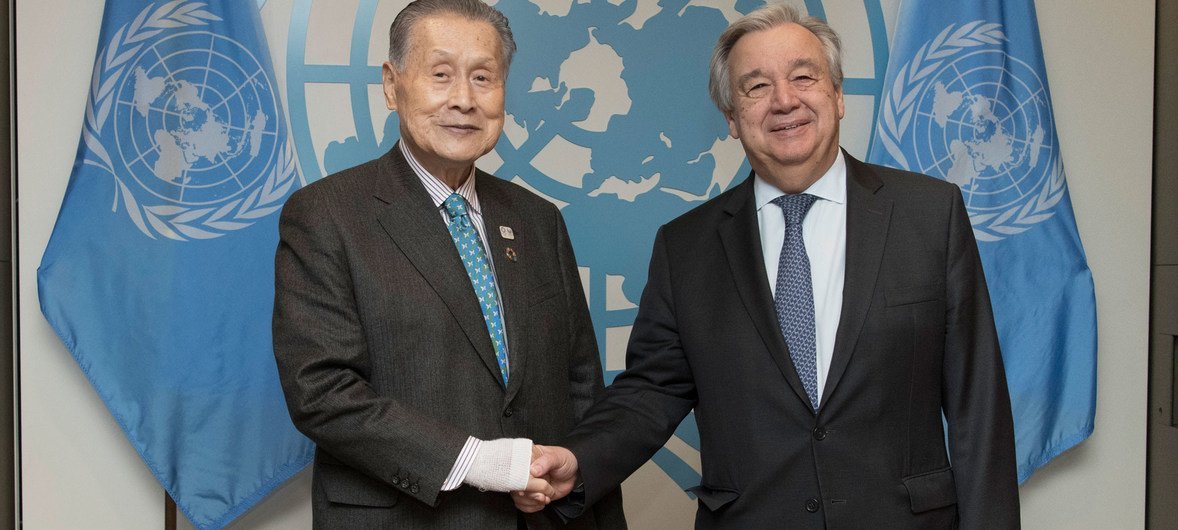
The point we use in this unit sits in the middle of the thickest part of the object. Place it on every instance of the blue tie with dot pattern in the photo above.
(794, 296)
(470, 250)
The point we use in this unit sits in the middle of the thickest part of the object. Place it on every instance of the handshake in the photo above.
(552, 476)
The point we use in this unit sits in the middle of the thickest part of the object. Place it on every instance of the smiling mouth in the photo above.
(788, 127)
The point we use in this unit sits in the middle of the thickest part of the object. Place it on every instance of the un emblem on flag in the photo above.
(187, 122)
(966, 111)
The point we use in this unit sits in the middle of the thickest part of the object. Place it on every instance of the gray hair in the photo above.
(474, 10)
(768, 17)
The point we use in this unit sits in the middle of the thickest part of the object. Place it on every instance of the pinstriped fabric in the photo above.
(794, 299)
(470, 249)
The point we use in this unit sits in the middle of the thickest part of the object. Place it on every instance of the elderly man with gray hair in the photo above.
(429, 320)
(826, 319)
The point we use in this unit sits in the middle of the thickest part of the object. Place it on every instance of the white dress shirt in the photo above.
(472, 452)
(824, 232)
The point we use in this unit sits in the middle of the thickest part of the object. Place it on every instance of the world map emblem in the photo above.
(607, 117)
(187, 123)
(965, 111)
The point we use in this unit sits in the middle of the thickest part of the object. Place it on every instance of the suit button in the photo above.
(819, 433)
(812, 505)
(405, 483)
(507, 413)
(413, 488)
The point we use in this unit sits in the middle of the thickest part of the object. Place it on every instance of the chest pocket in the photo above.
(907, 295)
(541, 293)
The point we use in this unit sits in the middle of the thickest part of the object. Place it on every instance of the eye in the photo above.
(804, 80)
(484, 77)
(756, 89)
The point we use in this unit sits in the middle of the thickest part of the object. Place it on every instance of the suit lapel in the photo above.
(742, 246)
(509, 275)
(867, 230)
(417, 228)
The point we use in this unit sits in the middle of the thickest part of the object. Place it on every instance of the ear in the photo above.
(839, 99)
(733, 131)
(388, 74)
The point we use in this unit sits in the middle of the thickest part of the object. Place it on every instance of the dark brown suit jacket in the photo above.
(386, 361)
(915, 339)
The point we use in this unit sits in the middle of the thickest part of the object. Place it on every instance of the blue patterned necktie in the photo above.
(794, 297)
(470, 249)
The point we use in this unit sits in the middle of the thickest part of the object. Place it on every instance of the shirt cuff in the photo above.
(572, 505)
(466, 458)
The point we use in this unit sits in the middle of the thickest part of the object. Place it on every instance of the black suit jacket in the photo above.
(385, 358)
(915, 339)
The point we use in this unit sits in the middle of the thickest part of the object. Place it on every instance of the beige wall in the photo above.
(79, 472)
(1100, 66)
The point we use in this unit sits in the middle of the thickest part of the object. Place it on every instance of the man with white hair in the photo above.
(821, 318)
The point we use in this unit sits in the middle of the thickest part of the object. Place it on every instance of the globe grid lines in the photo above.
(172, 221)
(1017, 216)
(232, 105)
(251, 79)
(184, 182)
(938, 163)
(1030, 110)
(208, 65)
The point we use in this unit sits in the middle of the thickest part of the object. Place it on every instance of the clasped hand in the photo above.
(553, 475)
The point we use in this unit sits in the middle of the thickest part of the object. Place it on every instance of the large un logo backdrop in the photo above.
(608, 117)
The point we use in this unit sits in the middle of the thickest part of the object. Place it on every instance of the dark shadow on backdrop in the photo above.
(8, 475)
(1162, 441)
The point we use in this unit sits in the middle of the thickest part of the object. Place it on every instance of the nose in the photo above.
(461, 95)
(785, 97)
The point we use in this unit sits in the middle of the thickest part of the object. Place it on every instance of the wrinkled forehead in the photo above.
(453, 34)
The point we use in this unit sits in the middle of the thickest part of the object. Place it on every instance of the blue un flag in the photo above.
(966, 100)
(159, 275)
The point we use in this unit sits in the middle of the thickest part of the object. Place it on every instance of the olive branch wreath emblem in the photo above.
(899, 108)
(175, 222)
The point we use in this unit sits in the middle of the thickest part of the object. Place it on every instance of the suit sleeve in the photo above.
(322, 357)
(585, 377)
(976, 401)
(644, 405)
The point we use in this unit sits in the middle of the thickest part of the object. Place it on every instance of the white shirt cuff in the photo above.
(466, 458)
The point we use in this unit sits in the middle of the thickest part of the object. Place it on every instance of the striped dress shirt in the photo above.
(438, 191)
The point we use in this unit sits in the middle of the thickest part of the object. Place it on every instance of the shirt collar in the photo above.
(438, 191)
(832, 186)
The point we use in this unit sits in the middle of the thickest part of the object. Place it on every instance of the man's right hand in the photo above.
(553, 476)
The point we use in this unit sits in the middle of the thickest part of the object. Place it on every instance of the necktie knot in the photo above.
(456, 209)
(795, 206)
